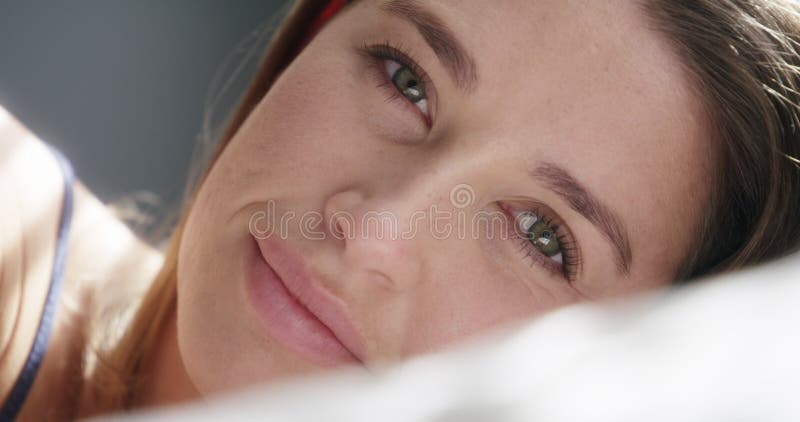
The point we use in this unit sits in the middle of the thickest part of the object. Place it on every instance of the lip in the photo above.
(295, 309)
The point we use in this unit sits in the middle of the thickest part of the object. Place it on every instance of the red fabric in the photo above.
(330, 10)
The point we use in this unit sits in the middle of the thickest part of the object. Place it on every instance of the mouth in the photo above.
(296, 310)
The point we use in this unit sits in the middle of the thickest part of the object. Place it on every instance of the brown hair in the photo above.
(741, 55)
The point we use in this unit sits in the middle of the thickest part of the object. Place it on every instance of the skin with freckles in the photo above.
(581, 86)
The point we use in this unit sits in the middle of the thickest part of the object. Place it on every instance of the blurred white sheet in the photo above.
(726, 349)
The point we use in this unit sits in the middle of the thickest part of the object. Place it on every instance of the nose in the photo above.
(376, 238)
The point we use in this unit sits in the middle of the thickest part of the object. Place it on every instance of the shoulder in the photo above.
(107, 265)
(31, 188)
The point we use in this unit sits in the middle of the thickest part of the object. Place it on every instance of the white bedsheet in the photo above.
(726, 349)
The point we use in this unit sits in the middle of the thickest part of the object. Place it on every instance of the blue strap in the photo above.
(25, 380)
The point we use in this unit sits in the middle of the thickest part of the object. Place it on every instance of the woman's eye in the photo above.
(408, 84)
(402, 78)
(541, 234)
(544, 239)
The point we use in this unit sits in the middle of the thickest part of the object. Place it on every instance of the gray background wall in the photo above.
(119, 86)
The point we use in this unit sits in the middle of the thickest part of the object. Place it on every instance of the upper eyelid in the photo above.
(398, 53)
(440, 38)
(559, 181)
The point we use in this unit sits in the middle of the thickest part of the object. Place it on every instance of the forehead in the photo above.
(557, 56)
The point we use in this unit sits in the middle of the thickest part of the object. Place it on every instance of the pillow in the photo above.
(723, 349)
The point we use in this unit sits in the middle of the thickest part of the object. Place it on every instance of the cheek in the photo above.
(326, 110)
(221, 342)
(293, 134)
(465, 294)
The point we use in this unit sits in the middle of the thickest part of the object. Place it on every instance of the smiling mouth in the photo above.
(296, 311)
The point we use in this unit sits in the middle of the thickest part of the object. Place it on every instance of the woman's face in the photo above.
(436, 169)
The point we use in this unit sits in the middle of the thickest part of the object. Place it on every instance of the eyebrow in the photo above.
(455, 58)
(579, 199)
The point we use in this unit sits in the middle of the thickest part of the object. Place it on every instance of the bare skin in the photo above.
(559, 88)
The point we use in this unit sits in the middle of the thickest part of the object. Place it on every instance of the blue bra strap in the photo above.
(25, 380)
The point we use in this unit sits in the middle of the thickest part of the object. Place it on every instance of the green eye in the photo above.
(540, 233)
(408, 84)
(401, 75)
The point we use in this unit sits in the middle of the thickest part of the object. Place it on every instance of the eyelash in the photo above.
(376, 54)
(570, 252)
